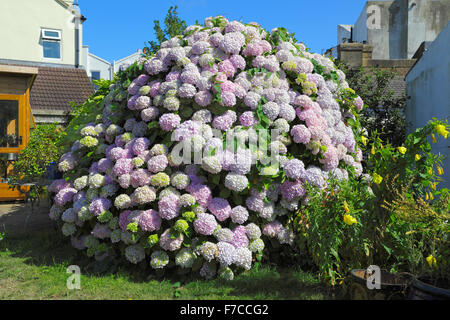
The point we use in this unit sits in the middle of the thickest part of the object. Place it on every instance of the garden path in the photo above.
(13, 216)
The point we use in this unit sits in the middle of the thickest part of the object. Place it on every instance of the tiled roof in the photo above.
(398, 86)
(55, 87)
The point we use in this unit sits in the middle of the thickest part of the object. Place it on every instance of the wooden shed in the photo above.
(16, 119)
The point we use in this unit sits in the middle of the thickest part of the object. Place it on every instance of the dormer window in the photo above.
(51, 43)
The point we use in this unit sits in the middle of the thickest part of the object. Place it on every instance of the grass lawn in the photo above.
(33, 266)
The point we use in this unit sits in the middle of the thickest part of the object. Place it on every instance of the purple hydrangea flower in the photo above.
(149, 220)
(239, 237)
(99, 205)
(205, 224)
(169, 206)
(64, 196)
(220, 208)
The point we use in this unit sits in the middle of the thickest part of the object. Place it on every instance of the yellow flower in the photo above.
(377, 178)
(348, 219)
(426, 196)
(433, 138)
(373, 150)
(346, 207)
(364, 140)
(441, 130)
(417, 157)
(431, 196)
(431, 261)
(430, 171)
(402, 150)
(440, 170)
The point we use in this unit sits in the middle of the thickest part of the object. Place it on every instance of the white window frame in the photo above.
(99, 73)
(45, 37)
(51, 39)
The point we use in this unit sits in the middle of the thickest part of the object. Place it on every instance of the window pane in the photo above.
(9, 123)
(53, 34)
(95, 75)
(51, 49)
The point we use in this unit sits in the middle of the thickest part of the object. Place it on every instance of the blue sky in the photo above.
(117, 28)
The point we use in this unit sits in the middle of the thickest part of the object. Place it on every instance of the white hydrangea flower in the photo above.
(96, 181)
(236, 182)
(80, 183)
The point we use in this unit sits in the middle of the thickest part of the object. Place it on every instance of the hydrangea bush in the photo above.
(123, 192)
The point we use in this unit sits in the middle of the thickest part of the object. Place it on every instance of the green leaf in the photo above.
(153, 124)
(225, 193)
(237, 199)
(215, 179)
(212, 152)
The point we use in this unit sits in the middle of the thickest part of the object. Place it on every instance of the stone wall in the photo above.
(358, 55)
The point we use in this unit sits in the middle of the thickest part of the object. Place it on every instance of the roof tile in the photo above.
(53, 88)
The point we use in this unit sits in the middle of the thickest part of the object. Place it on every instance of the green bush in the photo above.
(385, 111)
(417, 235)
(41, 150)
(333, 227)
(387, 218)
(84, 113)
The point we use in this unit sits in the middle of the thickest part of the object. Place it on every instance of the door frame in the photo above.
(23, 121)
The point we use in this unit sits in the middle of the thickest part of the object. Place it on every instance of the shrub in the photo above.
(84, 113)
(387, 218)
(335, 227)
(412, 164)
(42, 149)
(385, 112)
(124, 191)
(417, 234)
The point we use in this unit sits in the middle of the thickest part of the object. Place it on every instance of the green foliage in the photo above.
(411, 226)
(388, 219)
(414, 162)
(334, 246)
(174, 26)
(42, 149)
(385, 112)
(88, 111)
(418, 229)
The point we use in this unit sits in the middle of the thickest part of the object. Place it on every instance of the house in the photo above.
(387, 34)
(47, 36)
(98, 68)
(127, 60)
(395, 29)
(428, 94)
(40, 72)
